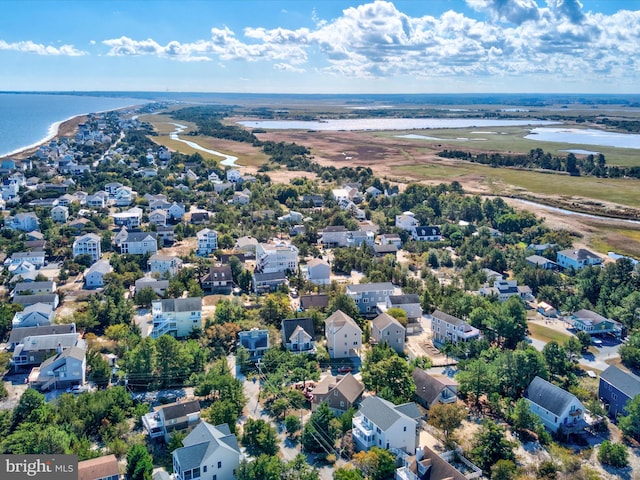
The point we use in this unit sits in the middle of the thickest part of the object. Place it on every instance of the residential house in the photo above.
(407, 221)
(233, 175)
(176, 316)
(207, 241)
(158, 286)
(176, 211)
(255, 341)
(241, 198)
(34, 288)
(37, 259)
(557, 408)
(164, 420)
(220, 187)
(577, 259)
(124, 196)
(276, 256)
(368, 295)
(505, 289)
(541, 262)
(166, 266)
(158, 217)
(267, 282)
(139, 243)
(218, 280)
(34, 315)
(319, 301)
(298, 335)
(447, 328)
(112, 187)
(547, 310)
(164, 154)
(246, 245)
(344, 336)
(616, 388)
(78, 225)
(428, 465)
(62, 370)
(291, 217)
(18, 334)
(23, 272)
(380, 423)
(333, 236)
(165, 235)
(26, 222)
(312, 201)
(34, 350)
(131, 218)
(359, 238)
(373, 191)
(410, 304)
(97, 200)
(391, 238)
(340, 393)
(94, 276)
(44, 202)
(100, 468)
(432, 388)
(595, 324)
(426, 234)
(317, 271)
(209, 452)
(59, 214)
(386, 329)
(540, 247)
(384, 250)
(47, 298)
(340, 195)
(88, 244)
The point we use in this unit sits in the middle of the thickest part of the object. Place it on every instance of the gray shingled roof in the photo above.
(369, 287)
(191, 456)
(380, 412)
(404, 299)
(139, 236)
(50, 342)
(17, 334)
(383, 320)
(548, 396)
(339, 319)
(73, 352)
(350, 387)
(180, 409)
(447, 318)
(191, 304)
(26, 300)
(428, 387)
(579, 254)
(290, 324)
(626, 382)
(410, 409)
(203, 440)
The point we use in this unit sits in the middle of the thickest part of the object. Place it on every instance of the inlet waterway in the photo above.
(229, 160)
(579, 214)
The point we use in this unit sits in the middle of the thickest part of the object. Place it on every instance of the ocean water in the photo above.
(28, 119)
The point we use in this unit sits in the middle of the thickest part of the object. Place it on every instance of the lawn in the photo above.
(546, 334)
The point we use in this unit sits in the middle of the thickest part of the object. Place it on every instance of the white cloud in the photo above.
(40, 49)
(372, 40)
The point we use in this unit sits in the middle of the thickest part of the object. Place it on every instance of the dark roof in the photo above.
(321, 300)
(223, 272)
(370, 287)
(387, 248)
(427, 231)
(266, 277)
(17, 334)
(180, 409)
(404, 299)
(428, 387)
(290, 324)
(198, 217)
(548, 396)
(190, 304)
(383, 320)
(626, 382)
(580, 255)
(26, 300)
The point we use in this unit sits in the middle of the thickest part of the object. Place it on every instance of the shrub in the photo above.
(614, 454)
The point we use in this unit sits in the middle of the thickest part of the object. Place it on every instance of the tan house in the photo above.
(341, 392)
(344, 336)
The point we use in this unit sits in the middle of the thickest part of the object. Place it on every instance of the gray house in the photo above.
(386, 329)
(368, 295)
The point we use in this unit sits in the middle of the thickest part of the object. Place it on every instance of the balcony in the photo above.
(163, 327)
(363, 434)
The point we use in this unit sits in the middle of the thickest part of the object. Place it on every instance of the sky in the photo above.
(321, 46)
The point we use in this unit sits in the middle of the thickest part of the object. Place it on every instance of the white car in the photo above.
(78, 389)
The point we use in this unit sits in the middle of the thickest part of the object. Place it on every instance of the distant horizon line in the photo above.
(603, 94)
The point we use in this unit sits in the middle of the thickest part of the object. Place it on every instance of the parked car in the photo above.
(78, 389)
(345, 369)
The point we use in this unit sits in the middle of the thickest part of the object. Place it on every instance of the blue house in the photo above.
(577, 259)
(616, 388)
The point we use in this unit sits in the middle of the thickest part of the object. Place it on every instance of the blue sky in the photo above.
(322, 46)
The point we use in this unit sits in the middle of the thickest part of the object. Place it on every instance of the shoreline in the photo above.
(61, 128)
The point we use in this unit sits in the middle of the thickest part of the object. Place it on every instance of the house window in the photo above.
(219, 464)
(614, 396)
(196, 472)
(204, 469)
(404, 429)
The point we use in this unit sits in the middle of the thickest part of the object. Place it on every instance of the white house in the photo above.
(209, 452)
(131, 218)
(380, 423)
(88, 244)
(38, 314)
(333, 236)
(165, 265)
(298, 335)
(124, 196)
(158, 217)
(407, 221)
(64, 369)
(557, 408)
(37, 259)
(59, 214)
(276, 257)
(139, 243)
(97, 200)
(233, 175)
(577, 259)
(27, 222)
(207, 241)
(94, 276)
(391, 239)
(317, 271)
(504, 289)
(344, 336)
(176, 316)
